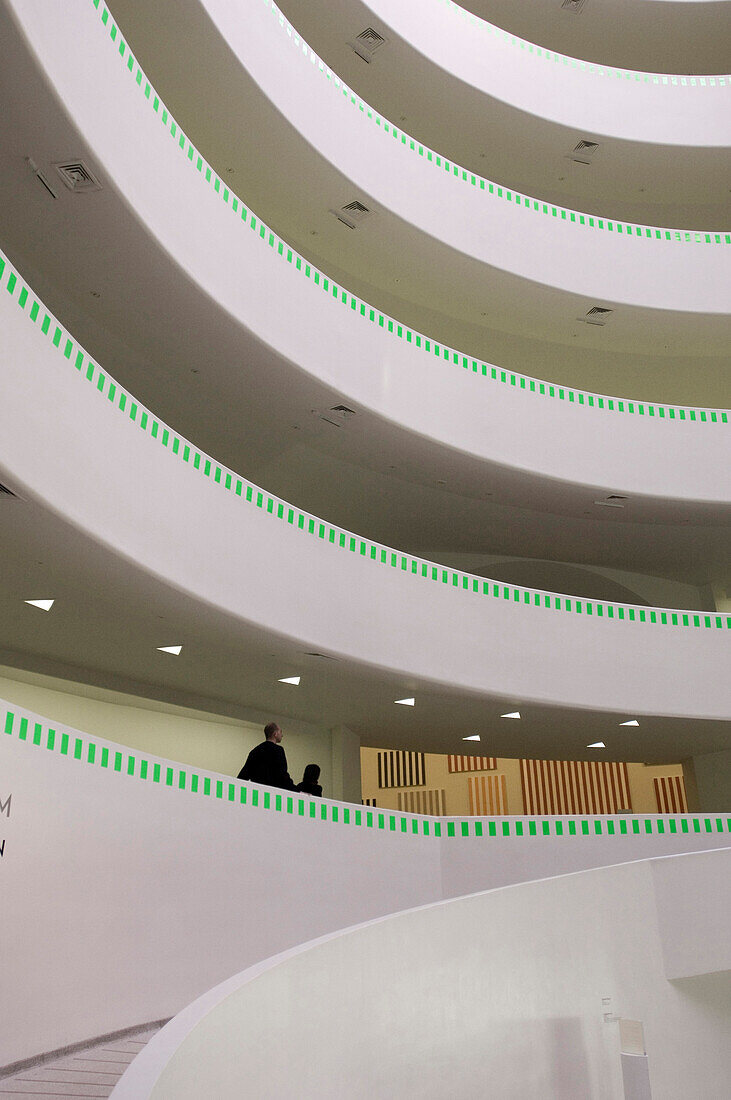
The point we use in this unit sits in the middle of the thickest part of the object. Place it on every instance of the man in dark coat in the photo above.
(267, 763)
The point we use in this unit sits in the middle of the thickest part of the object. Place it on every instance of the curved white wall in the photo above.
(497, 994)
(139, 882)
(288, 308)
(645, 107)
(633, 265)
(512, 233)
(404, 614)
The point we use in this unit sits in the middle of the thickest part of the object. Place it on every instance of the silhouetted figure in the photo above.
(309, 784)
(267, 762)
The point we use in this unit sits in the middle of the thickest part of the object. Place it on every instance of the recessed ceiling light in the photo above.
(512, 714)
(632, 722)
(597, 745)
(45, 605)
(174, 649)
(472, 737)
(406, 702)
(290, 680)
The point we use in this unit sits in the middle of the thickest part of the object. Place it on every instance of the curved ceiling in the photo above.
(110, 616)
(99, 642)
(178, 358)
(520, 325)
(661, 36)
(643, 181)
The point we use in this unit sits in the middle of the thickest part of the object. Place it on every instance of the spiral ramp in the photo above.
(347, 359)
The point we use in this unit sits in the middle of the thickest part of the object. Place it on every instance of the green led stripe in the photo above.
(595, 69)
(463, 175)
(369, 314)
(415, 568)
(175, 776)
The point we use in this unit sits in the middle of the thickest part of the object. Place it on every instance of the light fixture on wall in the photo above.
(294, 680)
(45, 605)
(406, 702)
(511, 714)
(174, 649)
(597, 745)
(472, 737)
(632, 722)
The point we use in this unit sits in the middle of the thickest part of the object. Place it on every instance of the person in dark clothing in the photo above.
(267, 762)
(309, 784)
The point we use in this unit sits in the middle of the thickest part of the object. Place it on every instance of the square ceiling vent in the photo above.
(366, 43)
(77, 176)
(353, 214)
(583, 152)
(597, 315)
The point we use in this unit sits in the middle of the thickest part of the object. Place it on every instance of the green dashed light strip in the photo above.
(587, 66)
(168, 774)
(363, 309)
(246, 491)
(464, 175)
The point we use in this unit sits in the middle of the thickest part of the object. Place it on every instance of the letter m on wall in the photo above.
(5, 806)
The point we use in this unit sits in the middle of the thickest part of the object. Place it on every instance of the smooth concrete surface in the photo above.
(191, 737)
(589, 97)
(283, 313)
(692, 897)
(713, 779)
(141, 893)
(509, 236)
(443, 633)
(517, 991)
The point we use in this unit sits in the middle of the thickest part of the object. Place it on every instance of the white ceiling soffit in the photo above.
(476, 220)
(474, 424)
(339, 474)
(523, 326)
(661, 36)
(656, 168)
(117, 611)
(306, 585)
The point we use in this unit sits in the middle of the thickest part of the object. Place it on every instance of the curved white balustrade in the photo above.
(140, 882)
(658, 35)
(518, 991)
(462, 104)
(287, 307)
(653, 108)
(259, 559)
(585, 255)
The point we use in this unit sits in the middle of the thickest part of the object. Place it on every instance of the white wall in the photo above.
(499, 994)
(552, 251)
(713, 778)
(587, 97)
(393, 378)
(445, 633)
(204, 740)
(138, 895)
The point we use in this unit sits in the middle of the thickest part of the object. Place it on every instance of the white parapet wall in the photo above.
(131, 884)
(586, 255)
(414, 616)
(530, 990)
(652, 108)
(288, 311)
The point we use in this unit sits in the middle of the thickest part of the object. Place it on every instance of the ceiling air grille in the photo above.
(366, 44)
(597, 315)
(77, 176)
(337, 415)
(352, 214)
(583, 152)
(575, 6)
